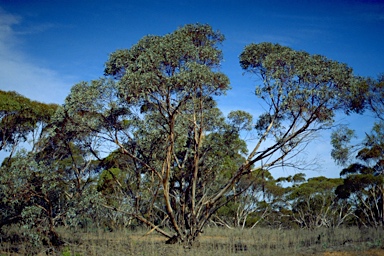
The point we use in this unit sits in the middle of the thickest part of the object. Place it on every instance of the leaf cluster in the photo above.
(19, 117)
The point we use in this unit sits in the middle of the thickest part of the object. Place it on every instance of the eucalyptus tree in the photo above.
(27, 199)
(159, 111)
(363, 163)
(36, 188)
(260, 198)
(158, 108)
(363, 180)
(32, 198)
(314, 203)
(22, 119)
(71, 149)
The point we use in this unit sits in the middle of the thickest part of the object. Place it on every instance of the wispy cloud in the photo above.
(6, 22)
(19, 72)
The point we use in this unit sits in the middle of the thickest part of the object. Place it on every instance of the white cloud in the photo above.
(20, 73)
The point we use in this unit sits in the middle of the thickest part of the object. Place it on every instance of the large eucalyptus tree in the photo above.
(158, 109)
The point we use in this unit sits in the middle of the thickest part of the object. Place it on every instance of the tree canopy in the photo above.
(147, 144)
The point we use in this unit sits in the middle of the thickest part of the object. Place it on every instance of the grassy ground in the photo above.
(221, 242)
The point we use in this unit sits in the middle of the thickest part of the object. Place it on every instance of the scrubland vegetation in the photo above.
(146, 148)
(215, 241)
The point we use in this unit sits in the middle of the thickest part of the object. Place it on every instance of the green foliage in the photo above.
(240, 120)
(301, 94)
(376, 96)
(158, 109)
(184, 157)
(309, 84)
(363, 185)
(38, 197)
(107, 179)
(31, 196)
(148, 144)
(171, 63)
(19, 117)
(340, 140)
(313, 203)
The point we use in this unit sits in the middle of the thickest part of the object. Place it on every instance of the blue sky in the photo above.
(47, 46)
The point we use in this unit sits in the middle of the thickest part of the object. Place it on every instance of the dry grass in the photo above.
(221, 242)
